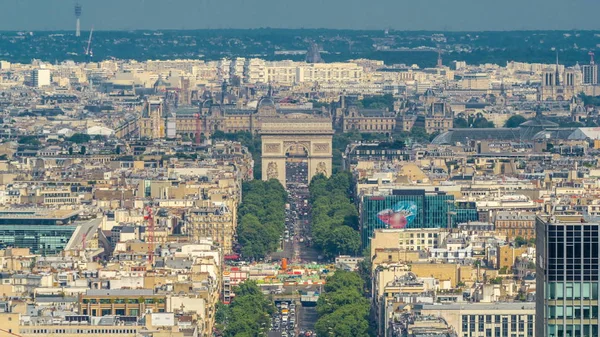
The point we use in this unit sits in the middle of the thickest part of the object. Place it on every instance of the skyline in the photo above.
(431, 15)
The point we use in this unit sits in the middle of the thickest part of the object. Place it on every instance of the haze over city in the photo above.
(330, 168)
(463, 15)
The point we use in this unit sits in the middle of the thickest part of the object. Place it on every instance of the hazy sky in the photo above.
(353, 14)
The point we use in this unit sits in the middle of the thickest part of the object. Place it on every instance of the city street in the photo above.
(297, 247)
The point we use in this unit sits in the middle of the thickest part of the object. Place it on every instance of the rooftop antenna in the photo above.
(592, 62)
(77, 23)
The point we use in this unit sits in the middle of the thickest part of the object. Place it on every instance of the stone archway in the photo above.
(278, 135)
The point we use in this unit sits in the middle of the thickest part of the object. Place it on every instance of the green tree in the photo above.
(514, 121)
(249, 313)
(70, 150)
(482, 122)
(342, 310)
(342, 279)
(79, 138)
(520, 241)
(334, 216)
(29, 140)
(261, 217)
(460, 122)
(82, 150)
(344, 241)
(349, 320)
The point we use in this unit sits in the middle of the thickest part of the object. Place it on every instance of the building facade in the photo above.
(567, 278)
(405, 209)
(213, 222)
(121, 302)
(513, 224)
(486, 320)
(439, 117)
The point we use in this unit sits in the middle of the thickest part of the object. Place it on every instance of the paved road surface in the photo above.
(307, 317)
(295, 250)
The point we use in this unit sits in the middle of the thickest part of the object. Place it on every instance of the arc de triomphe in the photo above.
(279, 134)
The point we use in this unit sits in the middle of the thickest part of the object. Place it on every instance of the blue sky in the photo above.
(347, 14)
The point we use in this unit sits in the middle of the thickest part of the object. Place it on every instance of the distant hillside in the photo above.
(409, 47)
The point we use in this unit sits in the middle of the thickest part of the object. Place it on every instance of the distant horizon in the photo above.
(407, 15)
(275, 28)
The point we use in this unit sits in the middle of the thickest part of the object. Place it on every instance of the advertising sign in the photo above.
(400, 215)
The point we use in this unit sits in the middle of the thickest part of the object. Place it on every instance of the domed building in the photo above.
(160, 85)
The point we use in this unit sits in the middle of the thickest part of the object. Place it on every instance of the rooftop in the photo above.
(119, 292)
(37, 213)
(491, 307)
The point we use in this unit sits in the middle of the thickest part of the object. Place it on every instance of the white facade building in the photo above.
(40, 77)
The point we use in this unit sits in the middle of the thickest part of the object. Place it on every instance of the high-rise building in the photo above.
(567, 279)
(590, 74)
(40, 78)
(77, 20)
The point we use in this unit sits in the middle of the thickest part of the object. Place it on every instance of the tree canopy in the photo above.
(249, 313)
(261, 217)
(342, 309)
(476, 122)
(514, 121)
(378, 102)
(334, 216)
(29, 140)
(79, 138)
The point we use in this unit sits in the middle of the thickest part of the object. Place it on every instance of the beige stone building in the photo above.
(513, 224)
(213, 221)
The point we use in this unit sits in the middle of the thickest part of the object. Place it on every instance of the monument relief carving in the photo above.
(321, 147)
(321, 168)
(272, 172)
(272, 148)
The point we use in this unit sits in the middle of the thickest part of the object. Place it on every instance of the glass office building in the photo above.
(40, 239)
(466, 211)
(405, 209)
(567, 279)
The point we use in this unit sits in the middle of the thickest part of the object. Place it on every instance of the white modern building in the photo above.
(40, 77)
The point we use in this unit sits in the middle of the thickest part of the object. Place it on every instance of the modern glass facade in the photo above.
(568, 277)
(466, 211)
(40, 239)
(405, 209)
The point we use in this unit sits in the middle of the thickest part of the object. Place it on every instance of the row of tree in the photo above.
(343, 310)
(476, 122)
(334, 216)
(249, 313)
(261, 218)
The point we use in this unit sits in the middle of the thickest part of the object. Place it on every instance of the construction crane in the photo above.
(149, 218)
(88, 51)
(591, 53)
